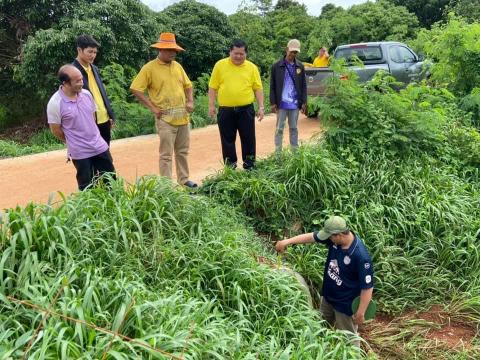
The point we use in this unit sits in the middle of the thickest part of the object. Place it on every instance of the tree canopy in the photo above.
(365, 22)
(125, 30)
(203, 31)
(428, 12)
(267, 34)
(455, 51)
(468, 9)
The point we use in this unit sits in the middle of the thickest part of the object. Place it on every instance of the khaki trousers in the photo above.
(339, 320)
(173, 139)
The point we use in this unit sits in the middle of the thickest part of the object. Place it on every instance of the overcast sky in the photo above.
(230, 6)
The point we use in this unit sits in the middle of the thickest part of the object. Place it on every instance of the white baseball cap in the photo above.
(293, 45)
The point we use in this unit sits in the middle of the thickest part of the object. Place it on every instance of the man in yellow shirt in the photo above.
(170, 99)
(236, 82)
(322, 59)
(87, 49)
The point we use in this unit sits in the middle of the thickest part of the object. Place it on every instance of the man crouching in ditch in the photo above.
(348, 273)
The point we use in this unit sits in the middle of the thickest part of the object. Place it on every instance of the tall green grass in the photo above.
(155, 264)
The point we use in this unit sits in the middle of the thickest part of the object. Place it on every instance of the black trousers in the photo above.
(241, 119)
(106, 131)
(89, 169)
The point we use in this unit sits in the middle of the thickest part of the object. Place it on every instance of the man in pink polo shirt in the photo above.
(71, 116)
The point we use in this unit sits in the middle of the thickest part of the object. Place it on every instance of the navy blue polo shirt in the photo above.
(347, 272)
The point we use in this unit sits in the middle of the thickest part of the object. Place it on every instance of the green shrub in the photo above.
(44, 138)
(117, 80)
(200, 118)
(374, 117)
(471, 104)
(133, 119)
(200, 85)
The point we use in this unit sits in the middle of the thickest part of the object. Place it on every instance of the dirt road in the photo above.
(35, 178)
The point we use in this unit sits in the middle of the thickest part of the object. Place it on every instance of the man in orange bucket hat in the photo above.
(170, 99)
(167, 41)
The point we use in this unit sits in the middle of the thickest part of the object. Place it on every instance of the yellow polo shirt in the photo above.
(235, 84)
(102, 114)
(165, 84)
(321, 61)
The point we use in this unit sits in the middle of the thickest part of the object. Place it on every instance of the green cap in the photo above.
(333, 225)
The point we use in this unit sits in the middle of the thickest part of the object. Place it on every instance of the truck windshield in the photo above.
(368, 54)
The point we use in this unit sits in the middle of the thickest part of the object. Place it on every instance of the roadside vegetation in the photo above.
(148, 270)
(403, 167)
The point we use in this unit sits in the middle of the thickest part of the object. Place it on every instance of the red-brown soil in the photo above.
(440, 330)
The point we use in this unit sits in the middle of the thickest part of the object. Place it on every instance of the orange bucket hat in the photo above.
(167, 41)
